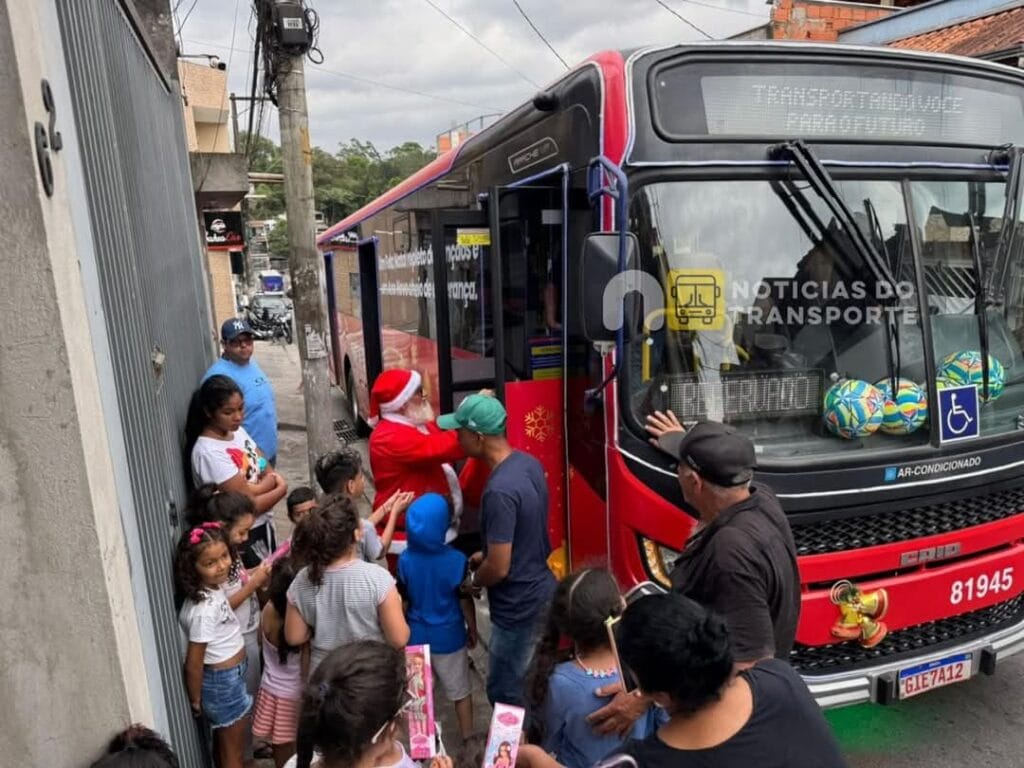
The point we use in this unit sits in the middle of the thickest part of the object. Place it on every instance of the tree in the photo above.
(277, 240)
(342, 183)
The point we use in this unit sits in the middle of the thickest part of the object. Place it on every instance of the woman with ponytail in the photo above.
(338, 597)
(683, 660)
(351, 710)
(572, 659)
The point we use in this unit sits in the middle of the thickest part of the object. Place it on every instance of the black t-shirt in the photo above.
(786, 730)
(743, 567)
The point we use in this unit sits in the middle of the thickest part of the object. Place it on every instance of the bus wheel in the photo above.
(362, 428)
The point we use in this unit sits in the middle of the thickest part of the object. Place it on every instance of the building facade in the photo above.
(107, 333)
(219, 176)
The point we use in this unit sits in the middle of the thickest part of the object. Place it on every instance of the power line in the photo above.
(685, 21)
(534, 27)
(482, 44)
(216, 131)
(347, 76)
(379, 84)
(723, 8)
(183, 22)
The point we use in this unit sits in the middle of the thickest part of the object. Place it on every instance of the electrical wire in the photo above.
(216, 131)
(255, 72)
(369, 81)
(184, 21)
(724, 8)
(412, 91)
(482, 44)
(534, 28)
(685, 21)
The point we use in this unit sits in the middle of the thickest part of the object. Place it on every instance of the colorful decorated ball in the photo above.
(853, 408)
(965, 368)
(907, 410)
(943, 383)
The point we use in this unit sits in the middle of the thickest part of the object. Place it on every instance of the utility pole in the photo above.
(304, 262)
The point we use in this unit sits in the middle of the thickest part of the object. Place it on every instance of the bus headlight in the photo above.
(660, 560)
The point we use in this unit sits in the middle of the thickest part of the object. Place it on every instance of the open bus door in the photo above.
(498, 289)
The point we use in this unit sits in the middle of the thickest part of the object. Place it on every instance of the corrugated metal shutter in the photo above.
(146, 240)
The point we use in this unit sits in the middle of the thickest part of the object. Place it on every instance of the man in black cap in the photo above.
(740, 560)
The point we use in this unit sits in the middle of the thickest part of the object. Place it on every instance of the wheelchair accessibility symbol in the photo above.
(958, 414)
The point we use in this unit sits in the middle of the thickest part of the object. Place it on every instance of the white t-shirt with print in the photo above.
(248, 611)
(211, 621)
(217, 461)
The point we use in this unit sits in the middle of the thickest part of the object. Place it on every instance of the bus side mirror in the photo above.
(602, 287)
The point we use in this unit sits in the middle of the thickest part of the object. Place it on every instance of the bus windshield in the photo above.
(772, 322)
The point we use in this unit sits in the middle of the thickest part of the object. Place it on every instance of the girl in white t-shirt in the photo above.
(351, 709)
(235, 512)
(215, 663)
(221, 452)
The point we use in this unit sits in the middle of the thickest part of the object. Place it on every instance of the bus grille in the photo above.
(825, 659)
(826, 536)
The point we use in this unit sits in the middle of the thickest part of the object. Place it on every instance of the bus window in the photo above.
(765, 309)
(531, 285)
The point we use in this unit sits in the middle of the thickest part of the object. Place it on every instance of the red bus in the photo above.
(817, 244)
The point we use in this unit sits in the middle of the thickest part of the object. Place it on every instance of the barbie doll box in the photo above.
(420, 709)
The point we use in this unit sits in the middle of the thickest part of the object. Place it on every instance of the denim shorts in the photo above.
(225, 697)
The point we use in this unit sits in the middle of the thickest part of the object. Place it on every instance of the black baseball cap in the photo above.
(714, 451)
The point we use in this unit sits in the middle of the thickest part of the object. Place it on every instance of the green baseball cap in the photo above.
(479, 413)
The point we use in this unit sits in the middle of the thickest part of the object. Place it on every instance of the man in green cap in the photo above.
(514, 529)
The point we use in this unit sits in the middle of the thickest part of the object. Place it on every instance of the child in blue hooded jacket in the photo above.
(430, 574)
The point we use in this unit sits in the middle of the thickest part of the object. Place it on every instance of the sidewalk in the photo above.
(281, 364)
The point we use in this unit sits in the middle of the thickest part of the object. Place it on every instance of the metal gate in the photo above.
(146, 238)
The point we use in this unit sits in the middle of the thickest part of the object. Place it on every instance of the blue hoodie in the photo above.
(430, 573)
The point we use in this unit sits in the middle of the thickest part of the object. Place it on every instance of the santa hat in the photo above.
(391, 391)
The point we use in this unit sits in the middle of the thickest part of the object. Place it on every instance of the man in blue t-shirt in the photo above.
(514, 528)
(260, 411)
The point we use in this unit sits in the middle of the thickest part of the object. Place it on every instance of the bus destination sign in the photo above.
(855, 102)
(859, 107)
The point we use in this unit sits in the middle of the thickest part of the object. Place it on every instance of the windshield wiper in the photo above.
(994, 281)
(980, 302)
(821, 182)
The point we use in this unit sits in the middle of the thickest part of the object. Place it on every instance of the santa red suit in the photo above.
(405, 456)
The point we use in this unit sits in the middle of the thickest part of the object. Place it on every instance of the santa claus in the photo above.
(407, 450)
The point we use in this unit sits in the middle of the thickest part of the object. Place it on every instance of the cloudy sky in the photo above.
(399, 70)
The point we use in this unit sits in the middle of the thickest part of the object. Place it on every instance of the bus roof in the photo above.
(609, 63)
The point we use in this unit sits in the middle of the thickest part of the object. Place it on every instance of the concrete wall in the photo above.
(71, 664)
(207, 108)
(222, 287)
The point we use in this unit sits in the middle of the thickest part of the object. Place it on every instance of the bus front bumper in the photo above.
(879, 683)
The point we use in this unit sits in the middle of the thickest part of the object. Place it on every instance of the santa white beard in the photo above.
(420, 414)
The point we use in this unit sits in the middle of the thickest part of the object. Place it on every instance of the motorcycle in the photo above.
(267, 327)
(282, 327)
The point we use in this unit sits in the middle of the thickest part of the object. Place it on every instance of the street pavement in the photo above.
(978, 723)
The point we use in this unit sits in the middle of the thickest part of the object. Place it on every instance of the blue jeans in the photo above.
(225, 697)
(511, 654)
